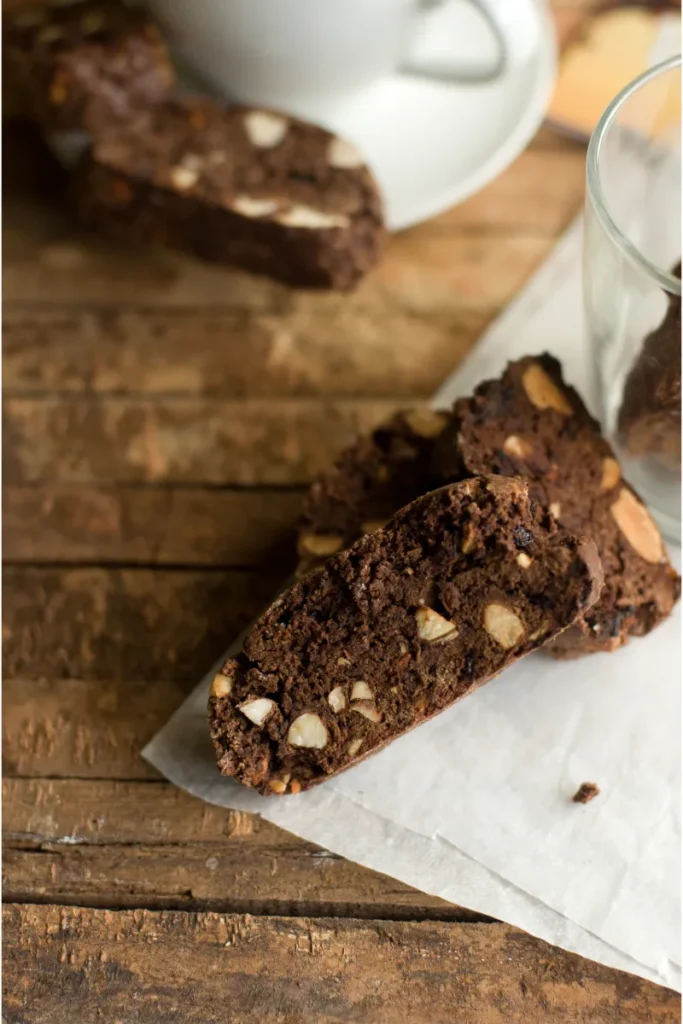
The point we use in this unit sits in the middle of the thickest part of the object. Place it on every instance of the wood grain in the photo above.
(150, 525)
(136, 844)
(92, 623)
(75, 728)
(197, 441)
(202, 967)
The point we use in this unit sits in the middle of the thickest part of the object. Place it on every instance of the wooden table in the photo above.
(161, 420)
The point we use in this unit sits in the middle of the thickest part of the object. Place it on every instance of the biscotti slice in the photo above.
(83, 66)
(650, 414)
(250, 188)
(530, 423)
(369, 483)
(457, 586)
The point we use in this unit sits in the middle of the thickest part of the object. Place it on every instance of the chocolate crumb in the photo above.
(586, 792)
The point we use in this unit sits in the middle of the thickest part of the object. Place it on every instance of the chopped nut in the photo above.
(354, 746)
(320, 544)
(278, 786)
(469, 540)
(543, 392)
(517, 446)
(183, 178)
(403, 647)
(433, 627)
(426, 422)
(257, 710)
(586, 792)
(373, 525)
(300, 216)
(523, 560)
(343, 155)
(637, 526)
(611, 474)
(369, 712)
(336, 698)
(265, 130)
(504, 625)
(295, 787)
(343, 661)
(307, 731)
(221, 685)
(555, 509)
(247, 206)
(361, 691)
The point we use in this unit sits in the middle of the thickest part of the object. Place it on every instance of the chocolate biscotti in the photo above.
(250, 188)
(530, 423)
(457, 586)
(650, 414)
(83, 66)
(370, 481)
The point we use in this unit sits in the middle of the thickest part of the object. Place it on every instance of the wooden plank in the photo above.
(149, 525)
(125, 623)
(356, 352)
(68, 963)
(48, 262)
(75, 728)
(97, 843)
(189, 441)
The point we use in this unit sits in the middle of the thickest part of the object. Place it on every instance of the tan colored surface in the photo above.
(161, 419)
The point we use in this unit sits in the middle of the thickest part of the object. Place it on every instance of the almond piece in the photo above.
(469, 540)
(278, 786)
(320, 544)
(426, 422)
(369, 712)
(543, 392)
(257, 710)
(637, 526)
(295, 787)
(336, 698)
(433, 627)
(555, 509)
(343, 155)
(504, 625)
(611, 474)
(248, 206)
(523, 560)
(221, 685)
(354, 746)
(300, 216)
(183, 178)
(265, 130)
(373, 525)
(517, 447)
(361, 691)
(307, 731)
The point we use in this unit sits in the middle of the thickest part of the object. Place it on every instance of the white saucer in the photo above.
(431, 145)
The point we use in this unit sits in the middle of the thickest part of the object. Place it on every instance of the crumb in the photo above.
(586, 792)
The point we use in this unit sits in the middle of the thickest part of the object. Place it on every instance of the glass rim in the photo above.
(667, 281)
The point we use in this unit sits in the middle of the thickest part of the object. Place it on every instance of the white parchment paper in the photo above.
(475, 806)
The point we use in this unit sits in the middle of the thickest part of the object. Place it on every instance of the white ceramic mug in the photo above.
(280, 52)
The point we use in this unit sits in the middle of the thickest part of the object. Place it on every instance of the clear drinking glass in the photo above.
(632, 285)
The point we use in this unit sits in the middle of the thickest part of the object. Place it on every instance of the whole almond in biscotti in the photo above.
(246, 187)
(394, 630)
(573, 472)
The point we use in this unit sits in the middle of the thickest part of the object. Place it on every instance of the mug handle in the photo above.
(488, 10)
